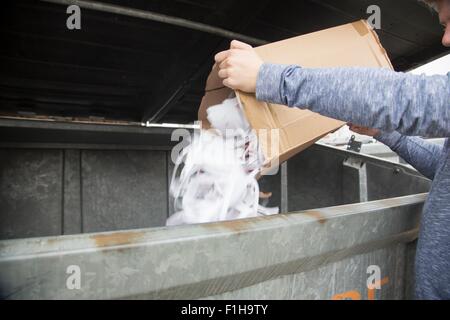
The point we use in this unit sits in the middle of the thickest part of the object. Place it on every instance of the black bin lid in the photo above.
(129, 69)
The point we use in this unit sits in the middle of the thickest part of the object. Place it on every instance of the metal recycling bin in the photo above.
(83, 207)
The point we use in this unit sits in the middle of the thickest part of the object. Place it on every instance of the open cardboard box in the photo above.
(353, 44)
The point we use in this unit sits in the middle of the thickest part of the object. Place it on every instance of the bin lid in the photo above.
(123, 68)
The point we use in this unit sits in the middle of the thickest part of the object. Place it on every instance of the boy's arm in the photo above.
(376, 98)
(421, 154)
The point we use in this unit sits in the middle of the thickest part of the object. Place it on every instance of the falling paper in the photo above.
(215, 175)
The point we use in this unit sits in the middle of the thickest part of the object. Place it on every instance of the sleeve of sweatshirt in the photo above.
(421, 154)
(376, 98)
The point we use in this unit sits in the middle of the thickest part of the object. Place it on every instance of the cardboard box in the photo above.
(353, 44)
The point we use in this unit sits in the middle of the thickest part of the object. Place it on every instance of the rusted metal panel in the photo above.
(209, 260)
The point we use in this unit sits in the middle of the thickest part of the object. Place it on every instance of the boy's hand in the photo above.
(364, 130)
(239, 66)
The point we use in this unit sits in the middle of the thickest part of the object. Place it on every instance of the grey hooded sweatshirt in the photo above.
(402, 106)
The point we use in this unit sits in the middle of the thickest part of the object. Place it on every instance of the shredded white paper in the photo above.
(214, 178)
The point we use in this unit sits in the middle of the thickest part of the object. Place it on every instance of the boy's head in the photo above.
(443, 8)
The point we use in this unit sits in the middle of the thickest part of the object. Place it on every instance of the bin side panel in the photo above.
(72, 188)
(386, 182)
(30, 193)
(345, 279)
(123, 189)
(315, 180)
(204, 260)
(46, 192)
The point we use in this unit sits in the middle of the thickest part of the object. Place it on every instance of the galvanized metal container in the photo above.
(86, 202)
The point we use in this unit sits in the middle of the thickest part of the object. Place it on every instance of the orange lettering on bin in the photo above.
(349, 295)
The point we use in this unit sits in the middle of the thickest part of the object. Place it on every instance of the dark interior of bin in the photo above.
(63, 177)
